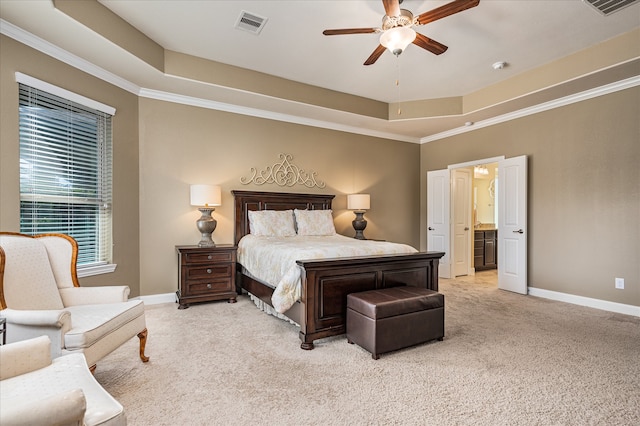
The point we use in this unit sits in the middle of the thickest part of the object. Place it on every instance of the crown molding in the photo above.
(270, 115)
(62, 55)
(567, 100)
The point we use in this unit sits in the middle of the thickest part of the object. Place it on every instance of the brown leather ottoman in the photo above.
(389, 319)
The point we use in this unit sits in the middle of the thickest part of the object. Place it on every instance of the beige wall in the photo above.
(584, 179)
(182, 145)
(160, 148)
(18, 57)
(583, 191)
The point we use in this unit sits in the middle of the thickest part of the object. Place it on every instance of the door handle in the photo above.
(431, 229)
(466, 228)
(519, 231)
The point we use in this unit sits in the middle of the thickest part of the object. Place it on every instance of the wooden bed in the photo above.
(321, 310)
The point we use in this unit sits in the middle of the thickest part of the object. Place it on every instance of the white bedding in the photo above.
(273, 259)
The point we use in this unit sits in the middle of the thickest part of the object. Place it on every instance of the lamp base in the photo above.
(359, 224)
(206, 225)
(206, 242)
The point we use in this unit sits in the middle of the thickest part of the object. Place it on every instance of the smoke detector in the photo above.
(499, 65)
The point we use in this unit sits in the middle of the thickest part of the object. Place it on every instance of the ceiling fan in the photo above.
(397, 31)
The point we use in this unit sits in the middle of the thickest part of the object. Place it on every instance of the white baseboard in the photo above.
(156, 299)
(586, 301)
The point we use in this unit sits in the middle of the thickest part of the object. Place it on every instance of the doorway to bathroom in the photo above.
(458, 209)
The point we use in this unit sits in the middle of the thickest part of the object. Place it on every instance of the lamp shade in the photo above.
(358, 202)
(206, 195)
(397, 39)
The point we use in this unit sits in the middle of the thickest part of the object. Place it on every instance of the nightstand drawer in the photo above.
(208, 287)
(208, 271)
(225, 256)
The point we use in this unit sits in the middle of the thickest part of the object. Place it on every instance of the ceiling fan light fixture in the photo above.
(397, 39)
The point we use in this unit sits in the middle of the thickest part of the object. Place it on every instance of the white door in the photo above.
(438, 188)
(512, 225)
(461, 219)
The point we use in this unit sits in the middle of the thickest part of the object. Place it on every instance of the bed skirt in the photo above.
(266, 308)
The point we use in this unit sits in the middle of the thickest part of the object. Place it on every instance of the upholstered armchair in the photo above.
(34, 390)
(40, 295)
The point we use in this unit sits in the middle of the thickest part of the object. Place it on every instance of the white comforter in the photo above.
(273, 259)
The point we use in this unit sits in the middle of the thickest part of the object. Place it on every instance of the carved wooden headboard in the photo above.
(253, 200)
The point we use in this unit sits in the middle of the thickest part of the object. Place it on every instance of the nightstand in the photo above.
(206, 274)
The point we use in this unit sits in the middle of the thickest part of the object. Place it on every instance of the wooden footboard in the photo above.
(321, 311)
(326, 283)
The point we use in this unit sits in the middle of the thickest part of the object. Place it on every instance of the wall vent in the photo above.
(607, 7)
(251, 22)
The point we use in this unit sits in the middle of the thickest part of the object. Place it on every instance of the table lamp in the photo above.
(359, 203)
(206, 196)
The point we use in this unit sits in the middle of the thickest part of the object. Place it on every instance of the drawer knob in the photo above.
(208, 271)
(209, 286)
(209, 257)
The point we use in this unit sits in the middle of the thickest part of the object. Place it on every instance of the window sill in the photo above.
(96, 270)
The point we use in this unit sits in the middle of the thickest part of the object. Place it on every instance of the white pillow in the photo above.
(315, 222)
(271, 223)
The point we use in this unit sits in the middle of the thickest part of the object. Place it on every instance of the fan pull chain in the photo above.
(398, 84)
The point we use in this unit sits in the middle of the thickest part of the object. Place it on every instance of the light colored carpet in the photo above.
(506, 359)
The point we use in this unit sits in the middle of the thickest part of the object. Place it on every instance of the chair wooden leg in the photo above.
(143, 342)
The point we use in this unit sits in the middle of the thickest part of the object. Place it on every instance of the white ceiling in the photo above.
(524, 33)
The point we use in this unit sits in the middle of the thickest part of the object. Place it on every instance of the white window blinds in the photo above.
(65, 172)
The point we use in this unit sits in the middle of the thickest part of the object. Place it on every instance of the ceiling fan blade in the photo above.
(350, 31)
(446, 10)
(391, 7)
(375, 55)
(429, 44)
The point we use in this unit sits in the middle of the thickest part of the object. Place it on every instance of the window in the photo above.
(65, 172)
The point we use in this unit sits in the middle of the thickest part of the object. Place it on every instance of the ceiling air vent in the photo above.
(607, 7)
(251, 22)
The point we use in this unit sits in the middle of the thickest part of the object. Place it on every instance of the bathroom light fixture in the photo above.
(480, 172)
(359, 203)
(206, 196)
